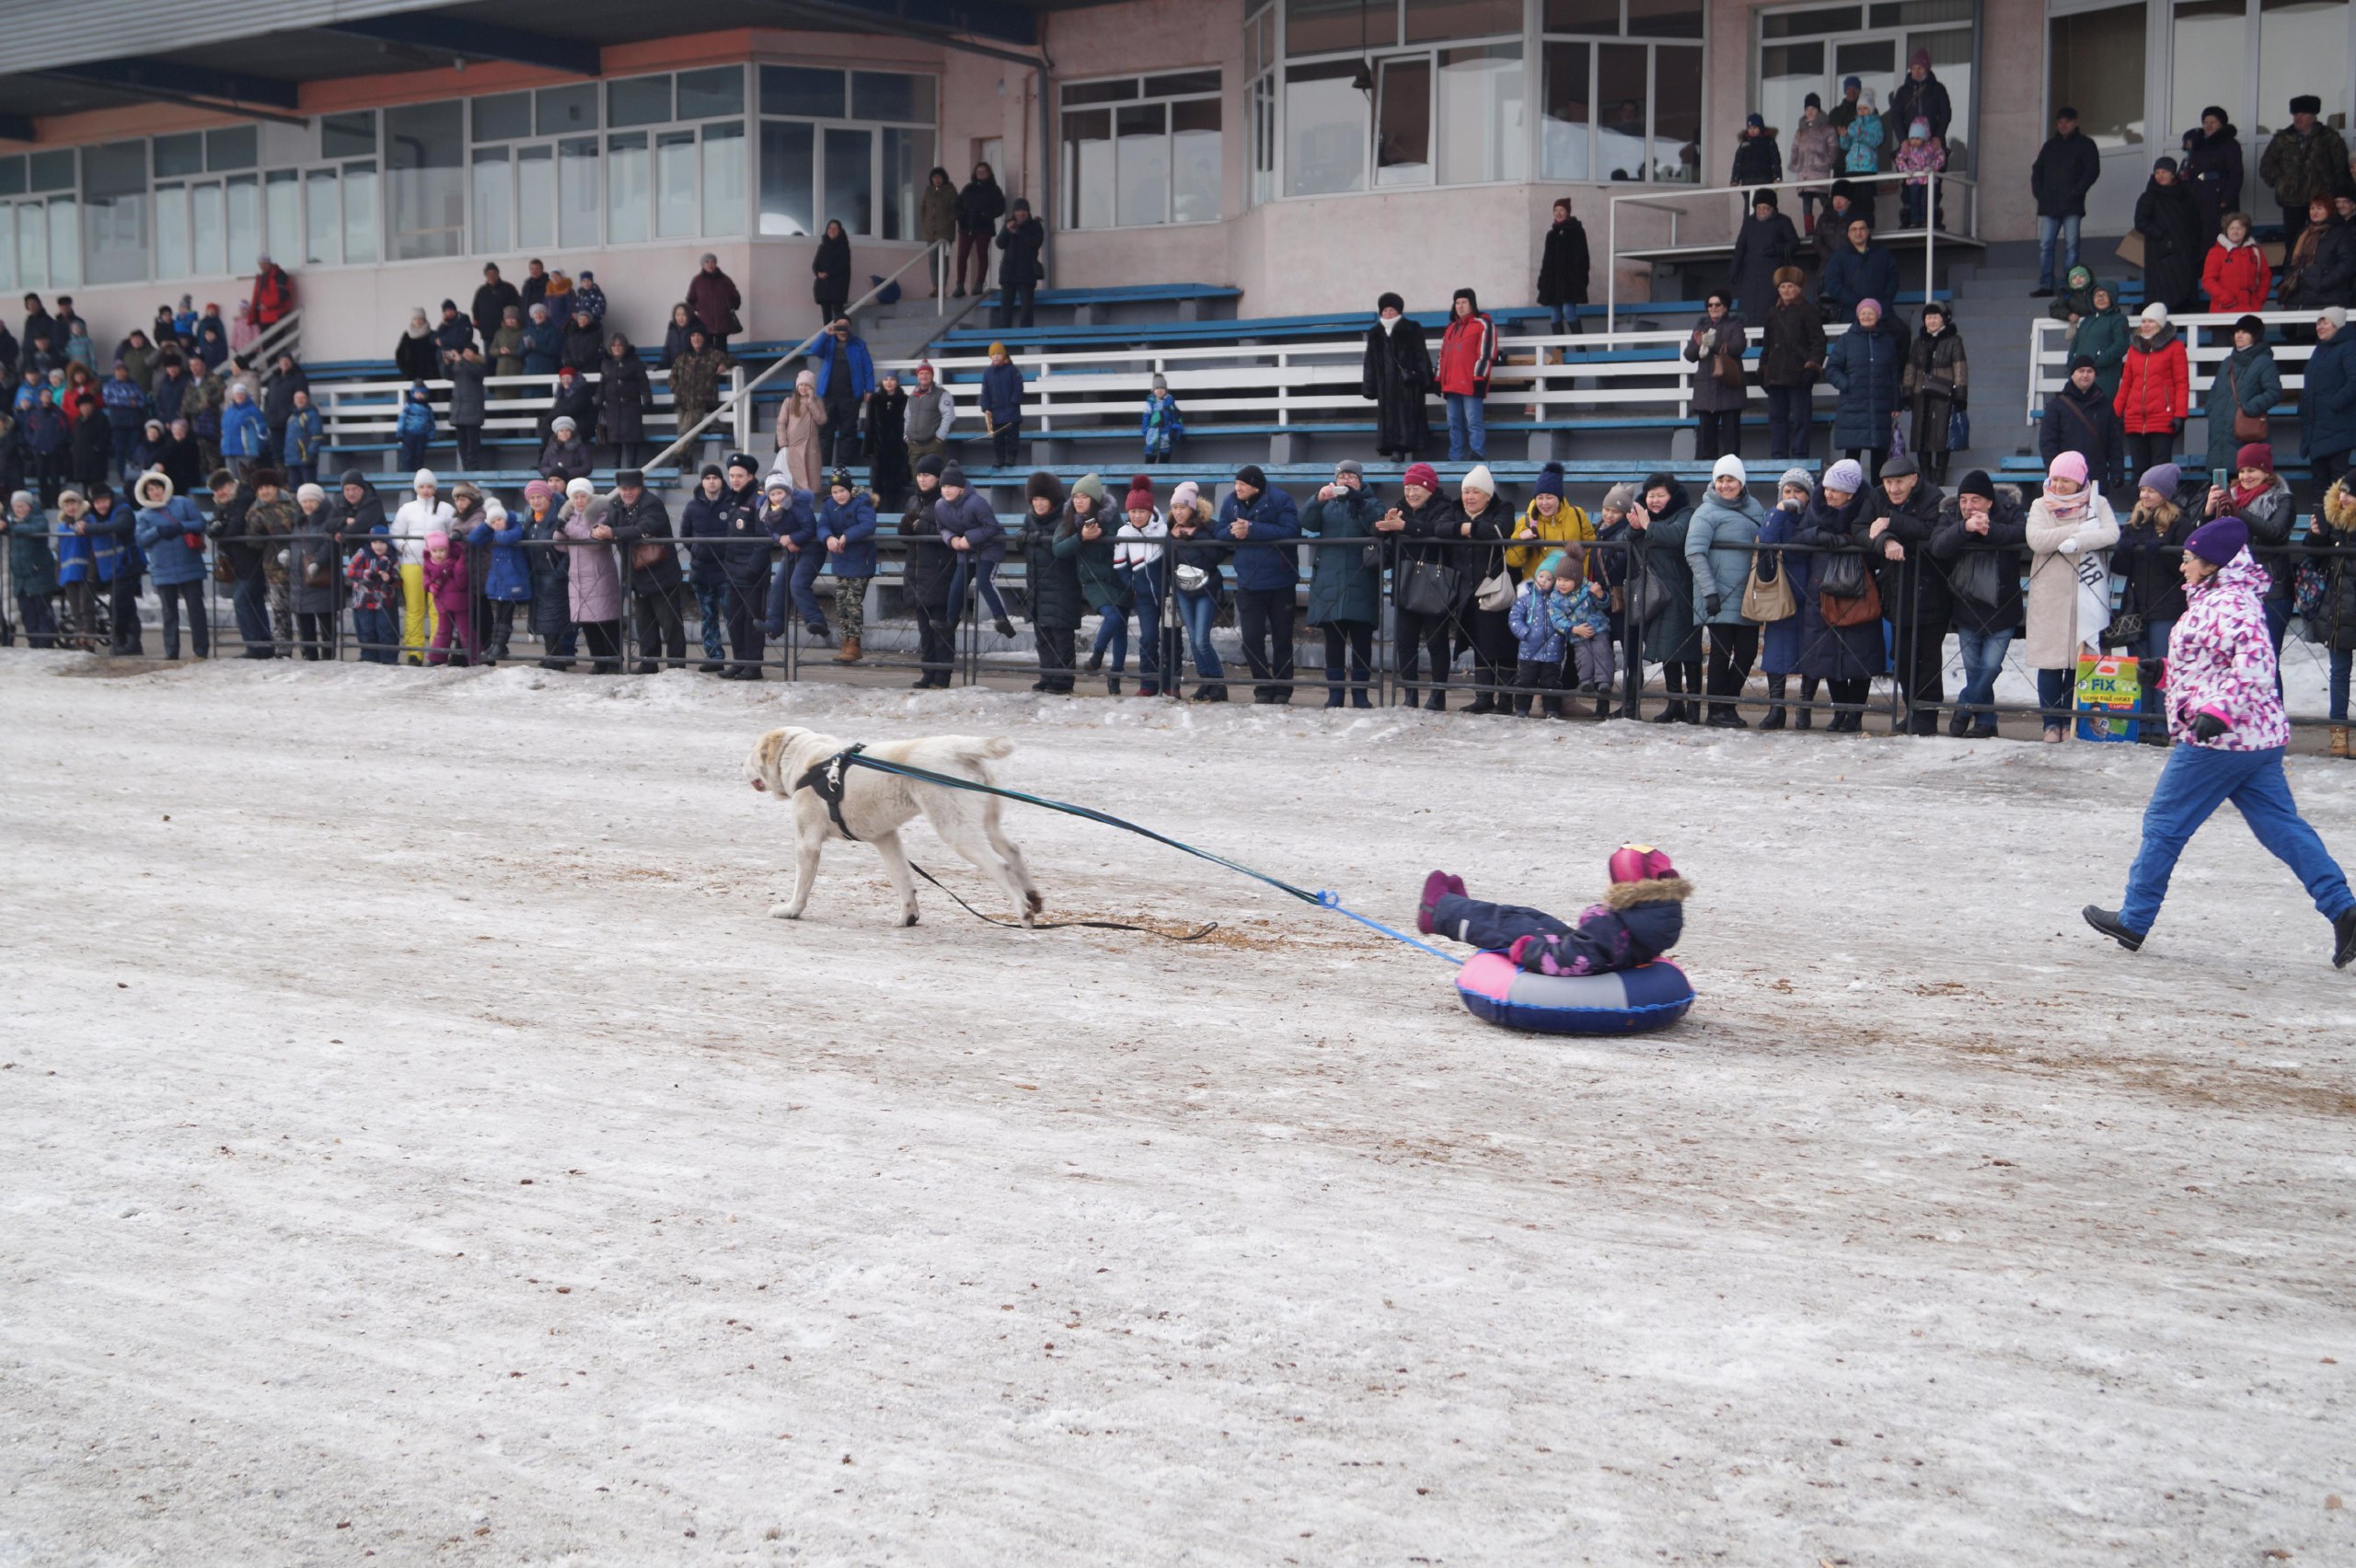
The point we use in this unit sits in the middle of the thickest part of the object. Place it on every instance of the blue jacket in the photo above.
(1638, 922)
(417, 416)
(113, 543)
(543, 343)
(510, 568)
(1537, 639)
(74, 551)
(2327, 407)
(863, 367)
(1162, 426)
(1002, 394)
(1869, 369)
(700, 520)
(1851, 274)
(799, 522)
(241, 430)
(855, 527)
(970, 518)
(1263, 558)
(164, 533)
(126, 403)
(304, 430)
(1589, 605)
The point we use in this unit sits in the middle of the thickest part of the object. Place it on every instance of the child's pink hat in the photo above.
(1640, 862)
(437, 541)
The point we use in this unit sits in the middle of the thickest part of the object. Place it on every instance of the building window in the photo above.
(1150, 155)
(1260, 103)
(40, 225)
(1619, 106)
(853, 146)
(208, 204)
(2095, 63)
(114, 208)
(1366, 110)
(1816, 47)
(425, 210)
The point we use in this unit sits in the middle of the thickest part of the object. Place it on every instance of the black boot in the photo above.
(1095, 661)
(1113, 685)
(2106, 921)
(1436, 701)
(2343, 941)
(1211, 694)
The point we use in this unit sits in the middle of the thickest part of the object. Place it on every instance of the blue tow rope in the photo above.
(1323, 900)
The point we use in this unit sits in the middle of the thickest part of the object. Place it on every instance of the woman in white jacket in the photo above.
(1137, 550)
(2071, 531)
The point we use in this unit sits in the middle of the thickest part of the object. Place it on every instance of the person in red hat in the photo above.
(1642, 916)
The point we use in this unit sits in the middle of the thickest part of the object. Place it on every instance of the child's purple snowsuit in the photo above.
(1635, 924)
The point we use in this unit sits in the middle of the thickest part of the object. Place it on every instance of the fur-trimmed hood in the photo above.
(1657, 890)
(2340, 507)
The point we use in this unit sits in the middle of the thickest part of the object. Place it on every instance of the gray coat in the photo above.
(1718, 552)
(466, 390)
(315, 555)
(1709, 396)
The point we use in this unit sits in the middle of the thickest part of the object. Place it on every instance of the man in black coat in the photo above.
(1979, 543)
(1915, 600)
(492, 299)
(1564, 267)
(638, 517)
(2066, 169)
(231, 500)
(278, 405)
(745, 561)
(2081, 418)
(455, 332)
(1019, 272)
(1397, 378)
(1922, 96)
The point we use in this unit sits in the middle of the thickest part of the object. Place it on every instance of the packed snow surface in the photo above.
(417, 1140)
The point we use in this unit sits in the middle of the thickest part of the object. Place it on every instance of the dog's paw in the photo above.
(1037, 904)
(909, 917)
(785, 911)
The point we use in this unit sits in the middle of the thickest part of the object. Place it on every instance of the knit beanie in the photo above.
(1188, 494)
(931, 463)
(1552, 565)
(2256, 454)
(1729, 463)
(952, 473)
(2163, 477)
(1844, 476)
(2218, 542)
(1798, 478)
(1481, 480)
(2155, 312)
(26, 497)
(1043, 485)
(2071, 466)
(310, 492)
(1620, 498)
(2253, 326)
(437, 540)
(352, 476)
(1140, 496)
(2082, 361)
(710, 471)
(494, 510)
(1422, 474)
(580, 487)
(2335, 314)
(1977, 483)
(1089, 486)
(1550, 481)
(539, 490)
(423, 480)
(1251, 474)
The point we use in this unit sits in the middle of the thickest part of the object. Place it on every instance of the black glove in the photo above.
(2208, 727)
(1962, 401)
(1710, 607)
(2176, 427)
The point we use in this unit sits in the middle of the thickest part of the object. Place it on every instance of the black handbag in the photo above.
(1845, 575)
(1427, 588)
(1980, 578)
(1659, 593)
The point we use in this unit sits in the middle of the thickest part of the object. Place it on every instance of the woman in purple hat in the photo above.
(2230, 734)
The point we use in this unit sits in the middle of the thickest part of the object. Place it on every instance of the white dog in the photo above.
(876, 805)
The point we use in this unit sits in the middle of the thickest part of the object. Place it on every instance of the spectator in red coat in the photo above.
(712, 299)
(1468, 352)
(2155, 390)
(2235, 277)
(273, 294)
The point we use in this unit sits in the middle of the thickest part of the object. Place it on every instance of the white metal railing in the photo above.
(1096, 391)
(284, 336)
(355, 413)
(1737, 199)
(2049, 350)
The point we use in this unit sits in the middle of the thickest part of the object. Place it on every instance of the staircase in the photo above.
(1993, 310)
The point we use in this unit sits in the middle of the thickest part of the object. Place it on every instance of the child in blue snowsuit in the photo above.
(1642, 916)
(1538, 643)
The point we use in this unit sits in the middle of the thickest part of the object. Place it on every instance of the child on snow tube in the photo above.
(1642, 916)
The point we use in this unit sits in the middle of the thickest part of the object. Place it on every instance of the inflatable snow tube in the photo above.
(1652, 996)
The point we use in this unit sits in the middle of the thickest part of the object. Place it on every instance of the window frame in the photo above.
(1652, 44)
(1067, 192)
(879, 196)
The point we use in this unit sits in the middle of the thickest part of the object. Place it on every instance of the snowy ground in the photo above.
(406, 1091)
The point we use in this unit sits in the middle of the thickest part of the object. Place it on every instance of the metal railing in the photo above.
(1676, 204)
(2049, 345)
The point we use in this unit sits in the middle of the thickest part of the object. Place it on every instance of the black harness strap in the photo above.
(827, 778)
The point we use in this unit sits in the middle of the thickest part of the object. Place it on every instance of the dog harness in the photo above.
(827, 779)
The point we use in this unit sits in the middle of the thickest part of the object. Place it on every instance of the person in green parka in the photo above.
(1346, 585)
(1660, 595)
(32, 569)
(1085, 537)
(2102, 337)
(2247, 382)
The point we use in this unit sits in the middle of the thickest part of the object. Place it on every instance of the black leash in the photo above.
(826, 780)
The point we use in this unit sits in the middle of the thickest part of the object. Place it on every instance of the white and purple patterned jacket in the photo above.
(2221, 663)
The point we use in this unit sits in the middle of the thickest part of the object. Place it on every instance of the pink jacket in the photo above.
(2222, 662)
(446, 580)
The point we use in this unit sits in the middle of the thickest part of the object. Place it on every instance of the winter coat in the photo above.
(2211, 170)
(648, 522)
(674, 342)
(206, 401)
(712, 299)
(1052, 579)
(1760, 247)
(169, 395)
(1937, 381)
(506, 349)
(552, 582)
(2053, 635)
(2169, 221)
(446, 581)
(466, 390)
(830, 272)
(1564, 266)
(1468, 352)
(699, 520)
(2271, 517)
(2154, 393)
(1718, 555)
(936, 214)
(1100, 586)
(417, 357)
(1757, 161)
(1835, 653)
(1635, 923)
(861, 366)
(491, 303)
(275, 521)
(1851, 274)
(33, 559)
(583, 349)
(562, 462)
(2235, 277)
(352, 521)
(1952, 542)
(2328, 405)
(1162, 426)
(927, 568)
(242, 431)
(1344, 587)
(1262, 560)
(374, 581)
(2299, 169)
(305, 435)
(2221, 663)
(2103, 338)
(799, 421)
(624, 393)
(1868, 369)
(745, 558)
(970, 518)
(1861, 142)
(2247, 381)
(1536, 638)
(2066, 169)
(2301, 278)
(1709, 395)
(416, 416)
(695, 383)
(125, 402)
(542, 347)
(1779, 642)
(314, 570)
(451, 335)
(1432, 533)
(854, 525)
(595, 579)
(575, 399)
(113, 542)
(2332, 535)
(1815, 149)
(1020, 242)
(1927, 99)
(509, 579)
(2154, 586)
(1397, 376)
(1914, 591)
(1001, 397)
(979, 206)
(2086, 423)
(164, 534)
(1657, 563)
(1569, 525)
(1792, 344)
(2332, 280)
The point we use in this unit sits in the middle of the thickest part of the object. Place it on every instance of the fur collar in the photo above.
(2339, 506)
(1660, 890)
